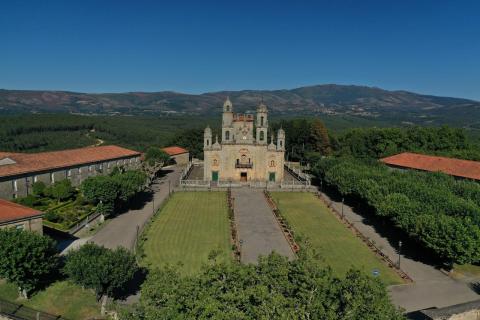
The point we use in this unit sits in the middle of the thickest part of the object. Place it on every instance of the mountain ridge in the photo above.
(327, 99)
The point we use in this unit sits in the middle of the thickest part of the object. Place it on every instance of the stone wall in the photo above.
(463, 311)
(34, 225)
(21, 185)
(181, 159)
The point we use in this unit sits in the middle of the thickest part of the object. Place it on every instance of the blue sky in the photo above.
(429, 47)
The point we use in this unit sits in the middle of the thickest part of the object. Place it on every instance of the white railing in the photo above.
(298, 173)
(186, 171)
(194, 183)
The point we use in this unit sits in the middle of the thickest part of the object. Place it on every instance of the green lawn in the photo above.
(188, 228)
(339, 247)
(466, 270)
(61, 298)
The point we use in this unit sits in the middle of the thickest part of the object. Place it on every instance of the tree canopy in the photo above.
(113, 190)
(443, 213)
(100, 269)
(27, 259)
(382, 142)
(274, 289)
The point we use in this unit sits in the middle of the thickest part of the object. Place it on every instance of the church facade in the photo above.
(244, 152)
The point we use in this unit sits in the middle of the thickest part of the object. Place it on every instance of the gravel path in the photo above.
(257, 227)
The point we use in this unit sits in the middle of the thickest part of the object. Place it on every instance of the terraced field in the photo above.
(337, 245)
(188, 228)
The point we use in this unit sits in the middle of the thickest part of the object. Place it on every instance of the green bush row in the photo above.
(443, 213)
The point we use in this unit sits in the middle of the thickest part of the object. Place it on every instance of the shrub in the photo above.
(38, 188)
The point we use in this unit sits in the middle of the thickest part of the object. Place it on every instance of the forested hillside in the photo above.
(34, 133)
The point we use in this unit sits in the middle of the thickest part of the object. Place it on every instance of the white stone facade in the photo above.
(245, 152)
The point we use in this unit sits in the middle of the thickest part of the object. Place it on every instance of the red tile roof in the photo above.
(174, 150)
(10, 211)
(455, 167)
(35, 162)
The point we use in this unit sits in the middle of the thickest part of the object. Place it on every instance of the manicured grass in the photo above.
(466, 270)
(336, 244)
(188, 228)
(61, 298)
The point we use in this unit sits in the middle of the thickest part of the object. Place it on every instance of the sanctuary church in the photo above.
(244, 152)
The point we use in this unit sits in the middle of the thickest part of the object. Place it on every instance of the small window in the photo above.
(262, 135)
(69, 173)
(108, 165)
(52, 177)
(272, 163)
(35, 179)
(90, 168)
(261, 121)
(79, 170)
(281, 144)
(208, 142)
(15, 185)
(100, 166)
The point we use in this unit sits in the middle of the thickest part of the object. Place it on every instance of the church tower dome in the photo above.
(262, 108)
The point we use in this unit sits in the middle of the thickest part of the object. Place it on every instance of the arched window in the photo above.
(261, 121)
(262, 135)
(227, 135)
(244, 158)
(272, 163)
(215, 162)
(208, 142)
(281, 143)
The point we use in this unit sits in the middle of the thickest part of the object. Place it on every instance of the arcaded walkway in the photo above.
(258, 230)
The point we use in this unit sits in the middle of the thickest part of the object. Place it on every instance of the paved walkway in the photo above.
(431, 288)
(257, 227)
(122, 230)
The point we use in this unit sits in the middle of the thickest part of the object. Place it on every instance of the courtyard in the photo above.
(189, 227)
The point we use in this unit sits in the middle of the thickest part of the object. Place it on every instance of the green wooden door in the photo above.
(214, 175)
(271, 177)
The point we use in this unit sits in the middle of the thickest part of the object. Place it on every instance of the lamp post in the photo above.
(153, 203)
(399, 252)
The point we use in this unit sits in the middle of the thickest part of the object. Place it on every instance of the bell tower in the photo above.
(281, 140)
(262, 124)
(227, 120)
(207, 138)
